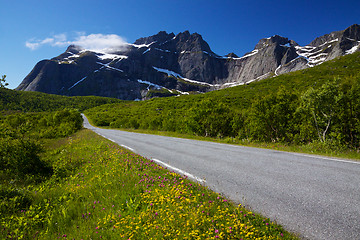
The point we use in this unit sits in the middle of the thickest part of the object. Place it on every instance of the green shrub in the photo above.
(67, 122)
(20, 134)
(21, 157)
(12, 200)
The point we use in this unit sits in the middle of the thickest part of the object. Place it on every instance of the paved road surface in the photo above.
(316, 197)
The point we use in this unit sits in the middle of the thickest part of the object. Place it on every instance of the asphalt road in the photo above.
(313, 196)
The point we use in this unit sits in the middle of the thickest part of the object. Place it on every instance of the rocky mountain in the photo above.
(168, 64)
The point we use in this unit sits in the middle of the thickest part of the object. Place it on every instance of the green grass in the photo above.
(39, 102)
(102, 191)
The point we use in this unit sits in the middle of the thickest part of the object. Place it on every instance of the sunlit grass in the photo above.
(102, 191)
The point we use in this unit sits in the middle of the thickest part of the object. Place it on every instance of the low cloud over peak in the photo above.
(96, 42)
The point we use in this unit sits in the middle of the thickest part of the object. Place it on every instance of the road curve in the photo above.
(313, 196)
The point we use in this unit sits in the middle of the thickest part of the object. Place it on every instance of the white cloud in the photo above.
(32, 45)
(56, 40)
(96, 42)
(100, 42)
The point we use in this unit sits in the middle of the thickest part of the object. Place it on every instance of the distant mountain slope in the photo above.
(167, 64)
(11, 100)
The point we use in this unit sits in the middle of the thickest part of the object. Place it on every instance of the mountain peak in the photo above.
(191, 42)
(183, 41)
(73, 49)
(353, 32)
(326, 38)
(161, 37)
(231, 55)
(186, 35)
(276, 39)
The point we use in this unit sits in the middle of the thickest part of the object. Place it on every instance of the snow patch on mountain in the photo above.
(105, 56)
(77, 83)
(305, 48)
(70, 59)
(156, 86)
(171, 73)
(107, 66)
(73, 55)
(141, 45)
(168, 72)
(146, 51)
(325, 43)
(234, 84)
(314, 55)
(150, 84)
(252, 53)
(162, 50)
(277, 69)
(353, 49)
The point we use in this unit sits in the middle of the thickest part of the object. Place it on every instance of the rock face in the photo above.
(168, 64)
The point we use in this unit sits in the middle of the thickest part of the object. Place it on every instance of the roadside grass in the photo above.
(102, 191)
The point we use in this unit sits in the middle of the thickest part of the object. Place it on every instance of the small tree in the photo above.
(211, 119)
(322, 105)
(271, 118)
(3, 82)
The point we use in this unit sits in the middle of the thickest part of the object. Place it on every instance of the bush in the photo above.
(330, 146)
(21, 157)
(210, 119)
(11, 200)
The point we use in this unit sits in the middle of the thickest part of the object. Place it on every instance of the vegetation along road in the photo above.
(314, 196)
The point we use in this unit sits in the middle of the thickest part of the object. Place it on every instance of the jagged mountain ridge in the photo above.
(167, 64)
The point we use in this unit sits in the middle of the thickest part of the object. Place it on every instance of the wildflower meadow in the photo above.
(101, 191)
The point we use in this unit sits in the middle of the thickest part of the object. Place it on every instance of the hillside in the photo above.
(39, 102)
(319, 104)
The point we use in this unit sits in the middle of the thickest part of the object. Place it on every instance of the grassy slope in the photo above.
(38, 102)
(108, 192)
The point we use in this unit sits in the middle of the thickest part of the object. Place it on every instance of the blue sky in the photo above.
(33, 30)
